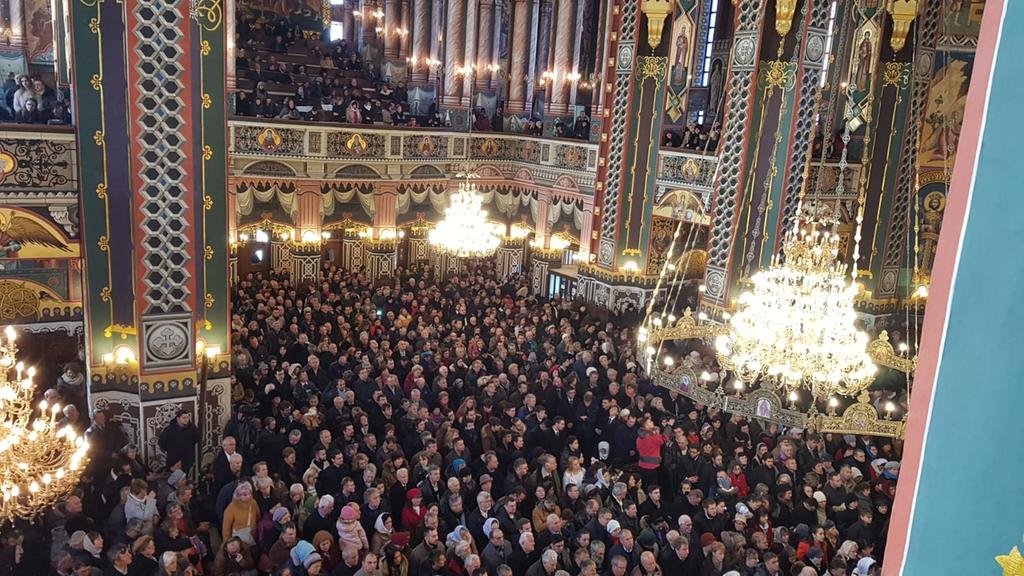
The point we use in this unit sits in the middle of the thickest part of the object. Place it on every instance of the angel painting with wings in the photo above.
(18, 231)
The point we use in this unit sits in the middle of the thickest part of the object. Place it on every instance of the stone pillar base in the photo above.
(542, 261)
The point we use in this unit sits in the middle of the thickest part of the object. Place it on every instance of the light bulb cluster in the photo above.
(796, 328)
(464, 232)
(40, 459)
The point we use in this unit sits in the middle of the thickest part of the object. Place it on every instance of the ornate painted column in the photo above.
(472, 15)
(438, 30)
(587, 233)
(890, 269)
(627, 165)
(454, 45)
(784, 111)
(380, 257)
(541, 225)
(151, 114)
(543, 37)
(485, 44)
(418, 247)
(727, 194)
(421, 38)
(564, 36)
(542, 260)
(385, 210)
(532, 72)
(519, 54)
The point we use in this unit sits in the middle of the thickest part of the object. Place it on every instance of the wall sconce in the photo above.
(656, 11)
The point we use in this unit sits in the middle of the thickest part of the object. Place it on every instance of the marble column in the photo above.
(404, 40)
(437, 29)
(542, 225)
(543, 44)
(586, 233)
(229, 34)
(453, 51)
(532, 72)
(421, 33)
(392, 23)
(564, 37)
(472, 13)
(485, 44)
(17, 24)
(367, 32)
(520, 52)
(348, 24)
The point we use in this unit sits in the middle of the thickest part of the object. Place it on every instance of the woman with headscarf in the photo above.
(93, 545)
(866, 567)
(241, 515)
(383, 528)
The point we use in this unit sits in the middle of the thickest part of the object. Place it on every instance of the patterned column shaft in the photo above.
(564, 36)
(485, 43)
(727, 192)
(151, 105)
(519, 52)
(614, 143)
(307, 217)
(806, 110)
(438, 31)
(392, 23)
(454, 43)
(421, 33)
(472, 15)
(894, 254)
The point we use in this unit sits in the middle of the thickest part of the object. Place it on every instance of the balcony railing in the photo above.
(38, 161)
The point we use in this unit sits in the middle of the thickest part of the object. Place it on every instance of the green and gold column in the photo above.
(150, 80)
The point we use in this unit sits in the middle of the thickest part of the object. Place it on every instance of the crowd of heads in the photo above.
(459, 427)
(29, 100)
(699, 137)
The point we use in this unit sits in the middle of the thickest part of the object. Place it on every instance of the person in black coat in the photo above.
(179, 440)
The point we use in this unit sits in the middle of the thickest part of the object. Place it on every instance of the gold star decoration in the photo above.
(1012, 563)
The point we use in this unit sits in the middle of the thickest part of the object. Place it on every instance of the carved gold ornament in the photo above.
(653, 67)
(656, 11)
(784, 10)
(903, 13)
(882, 352)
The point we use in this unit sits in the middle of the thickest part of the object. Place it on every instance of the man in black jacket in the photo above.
(179, 440)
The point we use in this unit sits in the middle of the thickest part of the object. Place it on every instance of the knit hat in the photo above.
(279, 513)
(348, 514)
(485, 478)
(413, 493)
(707, 539)
(301, 551)
(802, 531)
(731, 573)
(814, 552)
(613, 525)
(820, 497)
(313, 558)
(743, 510)
(175, 477)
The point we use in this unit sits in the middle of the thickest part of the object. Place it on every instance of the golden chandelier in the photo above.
(40, 461)
(464, 232)
(795, 328)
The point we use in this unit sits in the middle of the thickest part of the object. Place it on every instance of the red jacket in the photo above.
(411, 518)
(648, 448)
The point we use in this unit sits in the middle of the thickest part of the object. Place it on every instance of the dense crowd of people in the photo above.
(29, 100)
(461, 427)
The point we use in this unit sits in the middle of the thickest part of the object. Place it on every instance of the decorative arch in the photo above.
(426, 172)
(489, 171)
(524, 175)
(269, 168)
(357, 172)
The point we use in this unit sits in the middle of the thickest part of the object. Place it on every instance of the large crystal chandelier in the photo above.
(40, 460)
(795, 328)
(464, 232)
